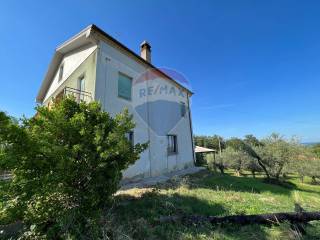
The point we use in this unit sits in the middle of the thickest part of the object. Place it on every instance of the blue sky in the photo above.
(253, 65)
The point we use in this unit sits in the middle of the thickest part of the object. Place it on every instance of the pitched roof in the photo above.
(199, 149)
(87, 36)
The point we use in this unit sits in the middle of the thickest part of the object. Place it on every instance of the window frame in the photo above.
(81, 79)
(172, 150)
(61, 70)
(131, 79)
(130, 137)
(183, 109)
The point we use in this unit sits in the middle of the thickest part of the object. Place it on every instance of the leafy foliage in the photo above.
(235, 159)
(316, 149)
(306, 164)
(241, 145)
(66, 162)
(252, 141)
(277, 153)
(274, 155)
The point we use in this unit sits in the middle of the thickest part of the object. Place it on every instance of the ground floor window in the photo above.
(130, 138)
(172, 144)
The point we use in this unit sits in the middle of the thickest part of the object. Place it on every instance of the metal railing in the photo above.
(5, 175)
(78, 94)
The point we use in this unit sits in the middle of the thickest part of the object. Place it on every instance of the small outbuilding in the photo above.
(202, 155)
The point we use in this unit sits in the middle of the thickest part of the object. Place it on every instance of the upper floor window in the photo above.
(81, 84)
(60, 72)
(124, 86)
(172, 144)
(183, 109)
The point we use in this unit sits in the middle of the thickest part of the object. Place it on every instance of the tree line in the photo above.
(275, 156)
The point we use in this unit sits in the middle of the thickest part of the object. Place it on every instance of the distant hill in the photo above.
(309, 144)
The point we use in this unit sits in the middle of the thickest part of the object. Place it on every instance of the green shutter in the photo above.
(124, 86)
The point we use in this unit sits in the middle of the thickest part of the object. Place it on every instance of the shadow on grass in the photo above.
(228, 182)
(153, 204)
(139, 217)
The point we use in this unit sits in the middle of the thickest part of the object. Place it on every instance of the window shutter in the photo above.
(124, 87)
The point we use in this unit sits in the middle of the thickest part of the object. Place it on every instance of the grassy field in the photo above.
(136, 211)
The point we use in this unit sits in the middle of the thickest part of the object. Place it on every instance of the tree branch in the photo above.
(272, 218)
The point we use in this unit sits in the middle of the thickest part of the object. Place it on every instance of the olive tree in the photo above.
(246, 147)
(277, 153)
(272, 155)
(316, 149)
(306, 164)
(217, 163)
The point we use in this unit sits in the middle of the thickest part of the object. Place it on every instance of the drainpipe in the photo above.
(191, 131)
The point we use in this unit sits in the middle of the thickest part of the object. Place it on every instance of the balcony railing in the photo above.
(77, 94)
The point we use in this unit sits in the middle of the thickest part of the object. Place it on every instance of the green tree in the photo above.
(214, 142)
(66, 162)
(277, 153)
(219, 162)
(252, 141)
(315, 170)
(235, 159)
(240, 145)
(306, 163)
(198, 141)
(252, 165)
(316, 149)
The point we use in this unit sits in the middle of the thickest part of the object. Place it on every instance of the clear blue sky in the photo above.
(254, 65)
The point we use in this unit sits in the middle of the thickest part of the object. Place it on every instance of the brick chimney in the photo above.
(145, 51)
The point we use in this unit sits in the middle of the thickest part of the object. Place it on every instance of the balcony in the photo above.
(78, 94)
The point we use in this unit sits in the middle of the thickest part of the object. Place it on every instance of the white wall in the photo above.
(154, 160)
(110, 61)
(71, 62)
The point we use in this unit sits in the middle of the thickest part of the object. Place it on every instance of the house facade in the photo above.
(92, 65)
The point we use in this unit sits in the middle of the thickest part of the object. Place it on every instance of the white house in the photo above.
(92, 65)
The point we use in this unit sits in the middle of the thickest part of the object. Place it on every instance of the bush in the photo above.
(66, 164)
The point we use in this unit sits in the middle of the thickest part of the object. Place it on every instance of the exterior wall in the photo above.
(155, 160)
(71, 62)
(86, 68)
(109, 62)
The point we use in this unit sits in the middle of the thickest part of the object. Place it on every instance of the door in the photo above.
(159, 157)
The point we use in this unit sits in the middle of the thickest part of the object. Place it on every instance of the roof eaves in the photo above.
(74, 37)
(137, 56)
(58, 52)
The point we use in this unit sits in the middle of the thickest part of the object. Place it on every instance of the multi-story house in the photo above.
(92, 65)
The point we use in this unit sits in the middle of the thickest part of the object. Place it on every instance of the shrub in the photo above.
(66, 164)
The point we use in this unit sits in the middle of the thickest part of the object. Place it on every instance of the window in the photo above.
(81, 88)
(124, 86)
(81, 84)
(182, 109)
(172, 144)
(60, 73)
(129, 136)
